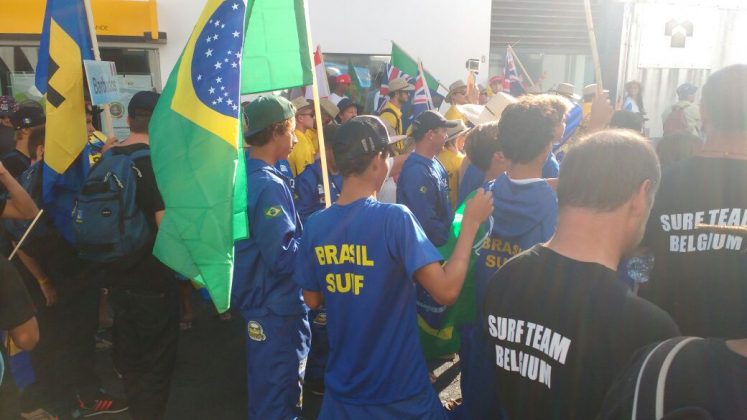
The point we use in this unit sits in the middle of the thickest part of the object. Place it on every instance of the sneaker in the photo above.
(102, 404)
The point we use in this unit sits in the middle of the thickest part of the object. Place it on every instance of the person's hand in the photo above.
(3, 171)
(479, 207)
(49, 292)
(601, 112)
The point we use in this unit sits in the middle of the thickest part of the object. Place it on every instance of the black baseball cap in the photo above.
(346, 103)
(430, 120)
(364, 135)
(143, 103)
(28, 117)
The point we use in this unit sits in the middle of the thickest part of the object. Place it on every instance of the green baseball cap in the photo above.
(265, 111)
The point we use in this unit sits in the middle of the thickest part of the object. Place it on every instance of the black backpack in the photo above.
(641, 396)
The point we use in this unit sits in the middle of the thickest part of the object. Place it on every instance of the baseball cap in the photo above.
(7, 106)
(28, 117)
(686, 89)
(143, 103)
(430, 120)
(400, 84)
(267, 110)
(343, 79)
(346, 103)
(361, 136)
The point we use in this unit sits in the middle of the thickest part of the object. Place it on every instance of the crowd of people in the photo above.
(594, 265)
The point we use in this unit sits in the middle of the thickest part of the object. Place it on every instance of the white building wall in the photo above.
(443, 33)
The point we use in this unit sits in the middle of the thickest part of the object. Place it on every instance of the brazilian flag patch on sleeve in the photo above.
(273, 211)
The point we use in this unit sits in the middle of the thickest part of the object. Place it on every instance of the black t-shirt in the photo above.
(149, 273)
(16, 306)
(15, 162)
(705, 374)
(700, 278)
(561, 330)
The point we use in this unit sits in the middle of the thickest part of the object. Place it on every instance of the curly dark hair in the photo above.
(528, 126)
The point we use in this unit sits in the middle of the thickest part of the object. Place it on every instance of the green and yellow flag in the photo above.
(195, 131)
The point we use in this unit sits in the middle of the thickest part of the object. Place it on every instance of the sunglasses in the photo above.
(307, 115)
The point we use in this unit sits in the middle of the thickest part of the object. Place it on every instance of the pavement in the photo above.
(210, 377)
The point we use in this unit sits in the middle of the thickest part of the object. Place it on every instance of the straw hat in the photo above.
(479, 114)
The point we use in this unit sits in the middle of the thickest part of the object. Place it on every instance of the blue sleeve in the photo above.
(551, 168)
(273, 225)
(408, 243)
(304, 275)
(572, 121)
(307, 195)
(473, 179)
(417, 191)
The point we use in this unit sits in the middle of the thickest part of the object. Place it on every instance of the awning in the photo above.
(115, 20)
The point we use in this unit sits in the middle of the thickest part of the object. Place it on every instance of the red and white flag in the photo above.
(321, 77)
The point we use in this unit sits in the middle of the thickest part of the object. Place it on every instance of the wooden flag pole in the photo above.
(25, 234)
(521, 66)
(108, 124)
(317, 111)
(593, 45)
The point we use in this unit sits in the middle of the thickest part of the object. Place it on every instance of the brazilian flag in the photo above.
(236, 48)
(442, 338)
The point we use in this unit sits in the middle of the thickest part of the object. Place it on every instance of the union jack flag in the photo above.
(512, 82)
(421, 100)
(391, 73)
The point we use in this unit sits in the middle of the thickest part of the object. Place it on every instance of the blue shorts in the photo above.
(276, 351)
(425, 405)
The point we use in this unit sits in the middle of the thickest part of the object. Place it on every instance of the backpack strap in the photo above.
(398, 128)
(648, 399)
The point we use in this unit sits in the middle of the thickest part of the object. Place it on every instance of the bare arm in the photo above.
(159, 217)
(313, 299)
(19, 205)
(46, 286)
(445, 283)
(26, 335)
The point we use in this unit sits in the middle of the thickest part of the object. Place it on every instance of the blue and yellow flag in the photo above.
(65, 43)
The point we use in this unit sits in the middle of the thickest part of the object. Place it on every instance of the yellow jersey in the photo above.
(452, 161)
(392, 115)
(303, 153)
(454, 114)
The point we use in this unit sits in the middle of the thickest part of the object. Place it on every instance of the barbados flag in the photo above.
(65, 43)
(195, 135)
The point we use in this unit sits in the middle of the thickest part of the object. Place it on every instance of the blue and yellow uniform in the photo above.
(524, 214)
(268, 299)
(423, 186)
(376, 366)
(309, 191)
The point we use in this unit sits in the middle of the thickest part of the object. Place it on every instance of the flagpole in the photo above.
(97, 56)
(593, 45)
(317, 110)
(526, 73)
(25, 234)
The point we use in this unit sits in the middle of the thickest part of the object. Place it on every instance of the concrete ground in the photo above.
(210, 377)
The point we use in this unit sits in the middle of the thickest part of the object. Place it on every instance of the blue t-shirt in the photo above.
(473, 179)
(265, 261)
(309, 191)
(423, 186)
(363, 256)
